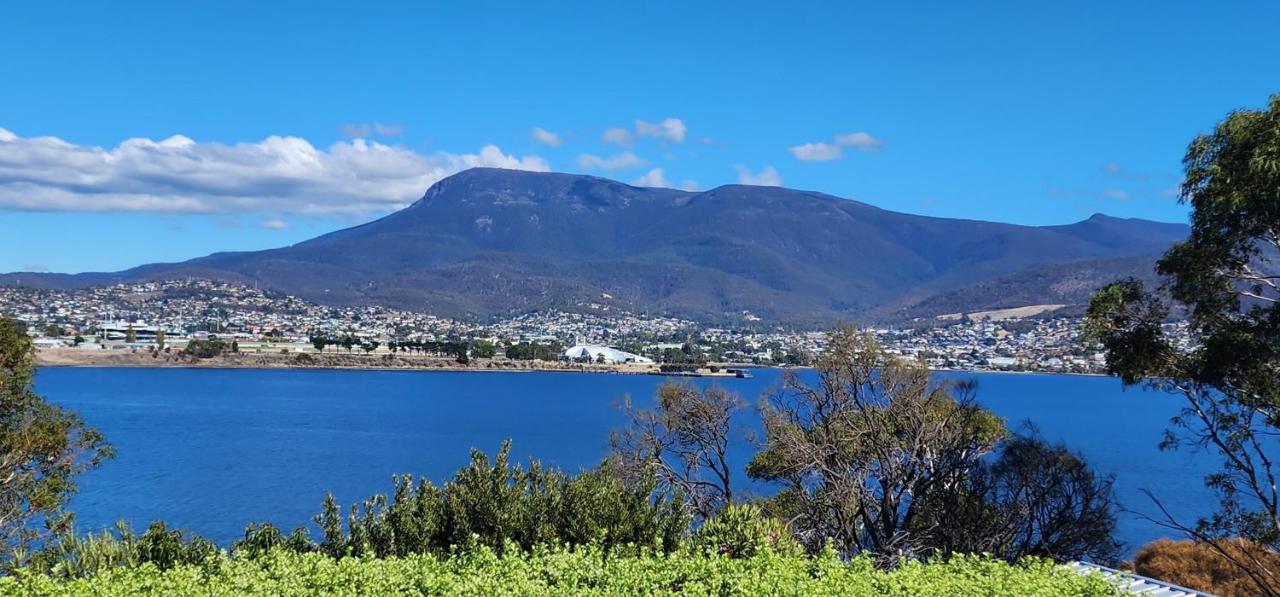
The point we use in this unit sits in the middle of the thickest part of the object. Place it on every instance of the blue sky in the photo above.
(256, 126)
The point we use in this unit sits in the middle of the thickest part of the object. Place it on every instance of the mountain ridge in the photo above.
(487, 242)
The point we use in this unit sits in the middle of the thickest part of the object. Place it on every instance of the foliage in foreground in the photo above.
(1226, 277)
(499, 505)
(1201, 567)
(560, 571)
(73, 556)
(42, 448)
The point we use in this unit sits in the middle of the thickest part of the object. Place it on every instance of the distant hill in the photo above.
(490, 242)
(1068, 284)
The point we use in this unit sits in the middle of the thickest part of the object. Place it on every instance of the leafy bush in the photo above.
(561, 571)
(167, 548)
(1201, 567)
(72, 556)
(498, 504)
(206, 349)
(261, 538)
(742, 531)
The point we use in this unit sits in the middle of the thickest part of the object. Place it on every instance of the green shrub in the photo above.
(496, 504)
(73, 556)
(263, 537)
(160, 546)
(76, 556)
(561, 571)
(742, 531)
(206, 349)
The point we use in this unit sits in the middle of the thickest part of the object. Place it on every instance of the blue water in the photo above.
(211, 449)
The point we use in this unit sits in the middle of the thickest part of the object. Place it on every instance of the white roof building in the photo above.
(611, 355)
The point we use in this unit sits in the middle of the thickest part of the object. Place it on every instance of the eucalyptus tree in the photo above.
(857, 450)
(683, 440)
(42, 448)
(1225, 278)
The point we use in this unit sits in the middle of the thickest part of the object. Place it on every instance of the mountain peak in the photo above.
(501, 186)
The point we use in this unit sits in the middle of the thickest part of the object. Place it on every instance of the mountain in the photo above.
(490, 242)
(1069, 283)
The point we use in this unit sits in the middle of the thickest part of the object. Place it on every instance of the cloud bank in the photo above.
(283, 175)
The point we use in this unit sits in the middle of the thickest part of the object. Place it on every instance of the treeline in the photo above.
(533, 351)
(457, 349)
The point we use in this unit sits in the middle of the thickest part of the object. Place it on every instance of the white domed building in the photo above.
(611, 356)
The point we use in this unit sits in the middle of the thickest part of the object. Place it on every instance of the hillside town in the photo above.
(170, 315)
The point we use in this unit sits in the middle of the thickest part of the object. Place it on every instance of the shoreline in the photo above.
(76, 358)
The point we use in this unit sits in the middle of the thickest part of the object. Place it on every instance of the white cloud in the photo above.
(623, 161)
(273, 224)
(355, 130)
(670, 129)
(387, 130)
(617, 136)
(654, 178)
(360, 130)
(816, 152)
(767, 177)
(281, 175)
(1116, 194)
(491, 156)
(657, 178)
(1115, 170)
(546, 137)
(825, 152)
(861, 141)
